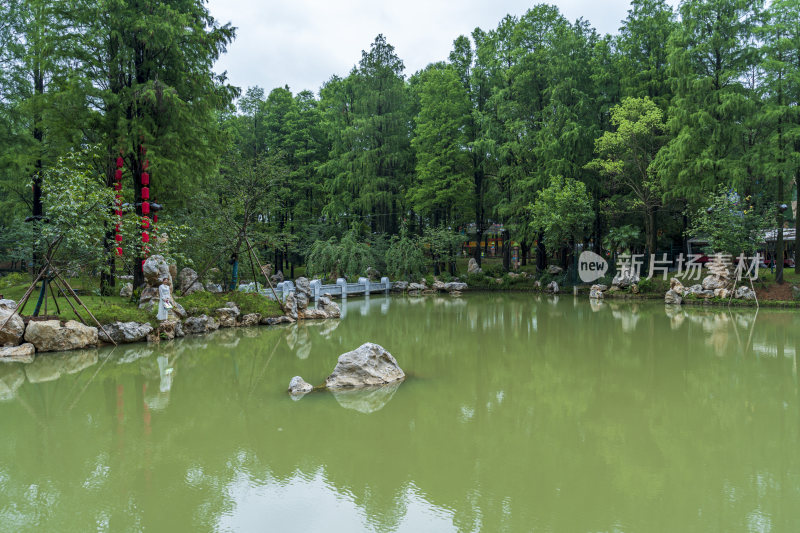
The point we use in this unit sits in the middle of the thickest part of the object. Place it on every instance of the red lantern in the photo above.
(119, 250)
(145, 237)
(145, 178)
(118, 175)
(145, 223)
(118, 212)
(120, 162)
(117, 186)
(145, 208)
(155, 218)
(118, 237)
(145, 193)
(119, 198)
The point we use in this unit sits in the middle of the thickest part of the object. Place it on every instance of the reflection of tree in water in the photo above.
(577, 420)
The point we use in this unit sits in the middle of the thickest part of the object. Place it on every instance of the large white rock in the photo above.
(155, 269)
(126, 291)
(712, 282)
(625, 279)
(302, 285)
(399, 286)
(745, 293)
(676, 286)
(12, 332)
(125, 332)
(455, 286)
(552, 287)
(473, 267)
(290, 306)
(189, 281)
(368, 365)
(331, 308)
(673, 298)
(51, 336)
(200, 324)
(250, 319)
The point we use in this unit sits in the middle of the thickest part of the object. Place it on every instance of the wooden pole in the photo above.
(66, 297)
(55, 300)
(24, 299)
(77, 299)
(250, 249)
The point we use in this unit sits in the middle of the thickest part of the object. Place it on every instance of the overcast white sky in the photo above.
(303, 42)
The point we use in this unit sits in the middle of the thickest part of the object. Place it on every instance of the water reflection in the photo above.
(523, 413)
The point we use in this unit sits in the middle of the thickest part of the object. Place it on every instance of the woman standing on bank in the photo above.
(165, 302)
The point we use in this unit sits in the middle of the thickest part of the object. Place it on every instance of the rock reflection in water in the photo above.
(49, 367)
(11, 378)
(366, 400)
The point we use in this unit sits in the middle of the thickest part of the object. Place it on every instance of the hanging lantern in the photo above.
(145, 193)
(117, 186)
(145, 208)
(119, 250)
(118, 174)
(120, 162)
(118, 197)
(155, 218)
(145, 223)
(145, 178)
(145, 237)
(118, 212)
(118, 237)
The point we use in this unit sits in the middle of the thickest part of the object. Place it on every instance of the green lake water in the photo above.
(520, 413)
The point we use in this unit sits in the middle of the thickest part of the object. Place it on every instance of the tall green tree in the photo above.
(627, 154)
(370, 178)
(442, 185)
(710, 56)
(642, 49)
(779, 119)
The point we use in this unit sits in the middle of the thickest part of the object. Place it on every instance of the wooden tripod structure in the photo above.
(50, 274)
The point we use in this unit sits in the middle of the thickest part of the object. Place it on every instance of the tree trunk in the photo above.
(541, 254)
(524, 248)
(506, 251)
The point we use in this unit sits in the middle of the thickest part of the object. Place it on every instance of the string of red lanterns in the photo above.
(145, 193)
(118, 203)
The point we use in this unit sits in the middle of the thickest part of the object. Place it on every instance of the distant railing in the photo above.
(341, 288)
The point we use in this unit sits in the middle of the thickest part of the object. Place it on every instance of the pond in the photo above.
(520, 413)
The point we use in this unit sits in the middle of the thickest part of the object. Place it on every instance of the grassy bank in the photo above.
(109, 309)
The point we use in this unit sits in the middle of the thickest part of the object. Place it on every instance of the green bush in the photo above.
(494, 271)
(13, 279)
(106, 313)
(206, 303)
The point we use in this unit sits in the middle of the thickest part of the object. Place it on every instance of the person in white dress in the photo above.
(165, 302)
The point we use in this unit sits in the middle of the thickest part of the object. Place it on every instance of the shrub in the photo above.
(206, 303)
(13, 279)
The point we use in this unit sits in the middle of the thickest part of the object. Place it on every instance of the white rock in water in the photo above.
(672, 298)
(368, 365)
(298, 386)
(17, 354)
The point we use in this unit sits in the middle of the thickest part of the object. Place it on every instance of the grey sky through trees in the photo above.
(301, 43)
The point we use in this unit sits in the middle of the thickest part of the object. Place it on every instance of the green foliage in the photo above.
(79, 209)
(404, 258)
(562, 212)
(348, 257)
(622, 238)
(626, 156)
(206, 303)
(731, 223)
(14, 278)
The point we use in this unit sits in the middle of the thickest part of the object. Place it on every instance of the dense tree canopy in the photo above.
(538, 126)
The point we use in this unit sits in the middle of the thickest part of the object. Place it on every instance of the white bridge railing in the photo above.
(341, 288)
